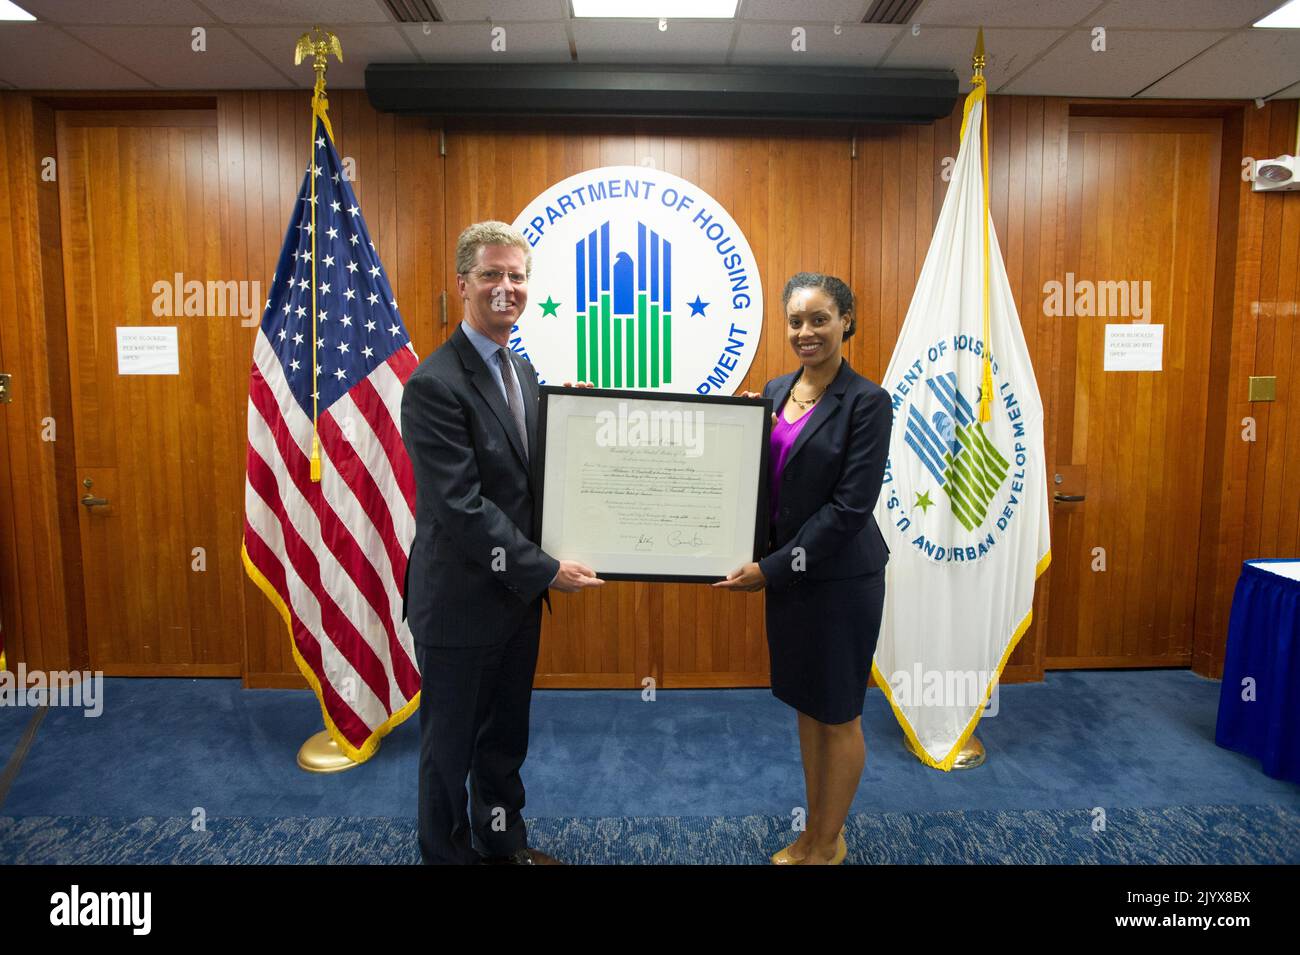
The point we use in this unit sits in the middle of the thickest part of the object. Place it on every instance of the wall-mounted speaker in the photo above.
(736, 92)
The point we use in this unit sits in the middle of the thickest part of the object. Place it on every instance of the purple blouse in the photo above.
(784, 435)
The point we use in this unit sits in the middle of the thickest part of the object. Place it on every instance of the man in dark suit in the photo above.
(476, 577)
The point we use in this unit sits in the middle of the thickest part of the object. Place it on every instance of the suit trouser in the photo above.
(474, 705)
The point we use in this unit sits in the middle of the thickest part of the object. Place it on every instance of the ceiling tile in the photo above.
(809, 11)
(361, 45)
(771, 43)
(164, 55)
(1005, 13)
(1291, 92)
(685, 41)
(1273, 58)
(330, 14)
(472, 42)
(503, 10)
(950, 48)
(141, 43)
(79, 12)
(1185, 14)
(38, 56)
(1131, 61)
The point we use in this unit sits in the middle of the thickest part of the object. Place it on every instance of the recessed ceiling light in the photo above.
(1285, 17)
(656, 9)
(11, 11)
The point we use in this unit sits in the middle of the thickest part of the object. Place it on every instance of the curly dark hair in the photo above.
(839, 292)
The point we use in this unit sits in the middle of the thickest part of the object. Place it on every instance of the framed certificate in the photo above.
(645, 486)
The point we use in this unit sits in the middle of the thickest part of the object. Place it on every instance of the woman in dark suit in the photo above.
(825, 566)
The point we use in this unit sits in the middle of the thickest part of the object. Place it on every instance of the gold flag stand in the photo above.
(972, 753)
(319, 754)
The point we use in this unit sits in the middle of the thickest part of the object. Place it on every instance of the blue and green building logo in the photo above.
(624, 309)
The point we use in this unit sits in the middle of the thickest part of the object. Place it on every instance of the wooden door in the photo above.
(1142, 206)
(139, 214)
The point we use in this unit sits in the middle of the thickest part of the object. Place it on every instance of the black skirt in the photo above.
(821, 636)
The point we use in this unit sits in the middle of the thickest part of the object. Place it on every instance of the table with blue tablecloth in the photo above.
(1259, 703)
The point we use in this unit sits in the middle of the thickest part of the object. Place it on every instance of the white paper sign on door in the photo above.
(1135, 347)
(147, 350)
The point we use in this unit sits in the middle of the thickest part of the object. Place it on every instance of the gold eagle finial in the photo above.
(318, 44)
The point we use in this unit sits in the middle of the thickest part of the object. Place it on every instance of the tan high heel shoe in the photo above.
(841, 850)
(783, 857)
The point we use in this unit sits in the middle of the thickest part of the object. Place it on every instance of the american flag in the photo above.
(331, 555)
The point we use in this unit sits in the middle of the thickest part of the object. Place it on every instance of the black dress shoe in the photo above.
(525, 856)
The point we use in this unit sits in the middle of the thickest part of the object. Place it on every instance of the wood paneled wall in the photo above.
(788, 188)
(262, 150)
(1251, 508)
(33, 602)
(856, 201)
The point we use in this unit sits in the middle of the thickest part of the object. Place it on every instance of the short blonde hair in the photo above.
(489, 233)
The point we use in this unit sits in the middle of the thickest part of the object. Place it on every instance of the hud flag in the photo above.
(964, 503)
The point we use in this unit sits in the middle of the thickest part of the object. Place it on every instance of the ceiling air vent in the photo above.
(413, 11)
(891, 11)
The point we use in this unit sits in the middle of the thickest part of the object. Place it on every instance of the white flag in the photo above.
(964, 504)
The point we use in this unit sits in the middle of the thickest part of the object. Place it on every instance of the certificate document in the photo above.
(641, 486)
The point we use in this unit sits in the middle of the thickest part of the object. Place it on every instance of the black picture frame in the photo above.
(761, 518)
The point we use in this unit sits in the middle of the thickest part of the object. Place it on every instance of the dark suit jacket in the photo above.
(475, 567)
(831, 480)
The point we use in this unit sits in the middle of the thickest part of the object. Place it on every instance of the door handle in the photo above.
(90, 502)
(1060, 498)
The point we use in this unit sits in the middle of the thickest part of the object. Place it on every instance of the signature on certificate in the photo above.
(681, 539)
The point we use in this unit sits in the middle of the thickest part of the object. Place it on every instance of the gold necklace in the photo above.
(807, 403)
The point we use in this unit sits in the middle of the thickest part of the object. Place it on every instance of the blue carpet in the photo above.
(13, 723)
(1181, 835)
(1115, 739)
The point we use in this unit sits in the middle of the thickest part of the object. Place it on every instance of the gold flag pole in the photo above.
(977, 64)
(319, 44)
(319, 754)
(972, 752)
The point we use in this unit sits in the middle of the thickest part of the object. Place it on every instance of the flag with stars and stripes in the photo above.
(329, 503)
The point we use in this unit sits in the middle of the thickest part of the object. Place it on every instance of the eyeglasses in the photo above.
(493, 276)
